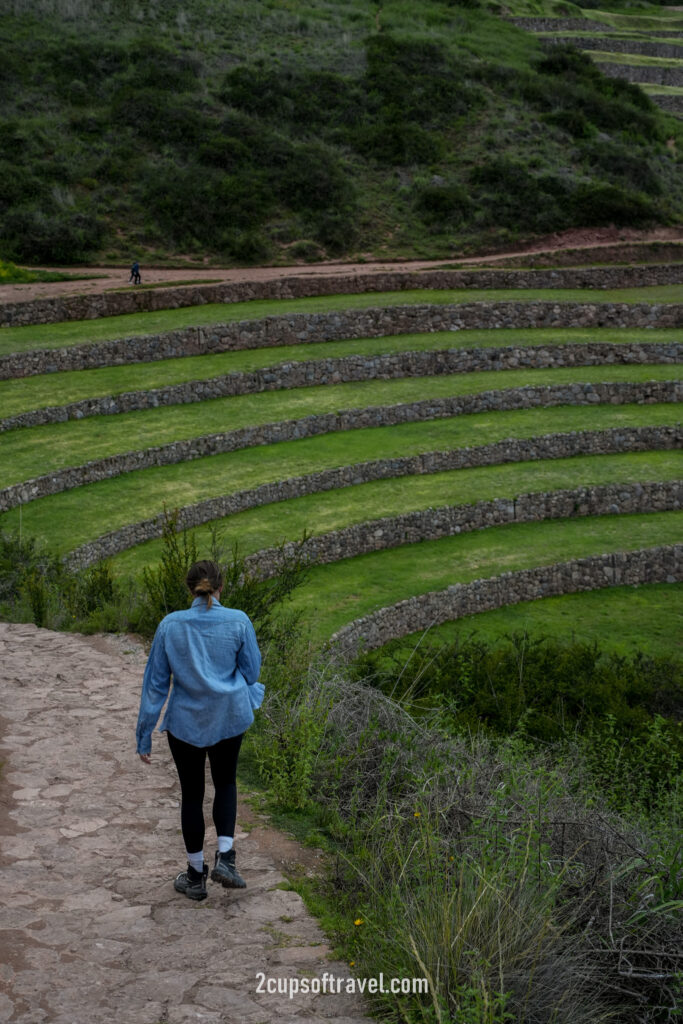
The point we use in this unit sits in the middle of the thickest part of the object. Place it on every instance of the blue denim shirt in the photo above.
(215, 661)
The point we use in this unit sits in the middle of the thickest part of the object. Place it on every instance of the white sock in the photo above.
(196, 861)
(224, 844)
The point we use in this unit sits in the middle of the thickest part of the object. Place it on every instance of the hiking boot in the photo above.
(225, 872)
(192, 883)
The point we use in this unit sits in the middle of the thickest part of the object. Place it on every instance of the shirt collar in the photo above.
(202, 600)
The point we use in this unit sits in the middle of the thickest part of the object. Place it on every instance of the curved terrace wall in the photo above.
(315, 328)
(560, 25)
(347, 369)
(612, 45)
(614, 393)
(642, 73)
(89, 307)
(662, 564)
(672, 102)
(549, 446)
(450, 520)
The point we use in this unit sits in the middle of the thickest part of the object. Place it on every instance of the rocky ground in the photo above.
(91, 928)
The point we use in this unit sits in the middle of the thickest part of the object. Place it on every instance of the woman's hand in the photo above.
(147, 758)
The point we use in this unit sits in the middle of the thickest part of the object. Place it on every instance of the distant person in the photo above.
(212, 654)
(135, 274)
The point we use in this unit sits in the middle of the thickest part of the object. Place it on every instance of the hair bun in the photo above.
(204, 579)
(204, 586)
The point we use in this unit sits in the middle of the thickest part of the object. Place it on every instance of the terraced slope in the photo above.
(645, 51)
(358, 439)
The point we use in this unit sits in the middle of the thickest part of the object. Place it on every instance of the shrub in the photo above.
(446, 204)
(48, 233)
(164, 588)
(620, 164)
(600, 203)
(549, 690)
(312, 178)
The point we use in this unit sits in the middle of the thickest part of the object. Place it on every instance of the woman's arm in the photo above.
(249, 655)
(155, 686)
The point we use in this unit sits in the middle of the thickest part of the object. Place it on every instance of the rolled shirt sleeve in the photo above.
(156, 683)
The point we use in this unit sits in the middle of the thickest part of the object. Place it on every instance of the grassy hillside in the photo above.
(281, 131)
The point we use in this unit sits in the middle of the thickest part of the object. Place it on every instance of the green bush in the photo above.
(447, 204)
(549, 690)
(48, 233)
(312, 178)
(622, 166)
(510, 195)
(601, 203)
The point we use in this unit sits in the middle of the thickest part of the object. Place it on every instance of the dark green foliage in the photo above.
(601, 203)
(549, 690)
(509, 194)
(35, 584)
(309, 101)
(140, 137)
(313, 179)
(165, 590)
(51, 233)
(572, 121)
(619, 164)
(446, 204)
(35, 580)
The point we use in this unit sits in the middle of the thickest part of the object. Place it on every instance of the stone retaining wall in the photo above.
(668, 101)
(315, 328)
(560, 25)
(89, 307)
(549, 446)
(449, 520)
(619, 46)
(642, 73)
(623, 568)
(349, 369)
(616, 393)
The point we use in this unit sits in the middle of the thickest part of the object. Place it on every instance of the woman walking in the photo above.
(212, 654)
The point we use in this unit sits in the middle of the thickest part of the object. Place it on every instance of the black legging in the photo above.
(190, 763)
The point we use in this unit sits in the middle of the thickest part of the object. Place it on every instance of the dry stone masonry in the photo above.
(90, 307)
(549, 446)
(316, 328)
(346, 369)
(643, 73)
(450, 520)
(532, 396)
(611, 45)
(623, 568)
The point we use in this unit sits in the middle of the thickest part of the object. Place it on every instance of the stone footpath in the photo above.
(91, 929)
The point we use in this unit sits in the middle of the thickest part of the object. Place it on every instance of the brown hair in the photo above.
(203, 578)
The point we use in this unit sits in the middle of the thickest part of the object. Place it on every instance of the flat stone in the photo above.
(83, 827)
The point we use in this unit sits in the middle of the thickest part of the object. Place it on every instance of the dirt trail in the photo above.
(91, 929)
(116, 277)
